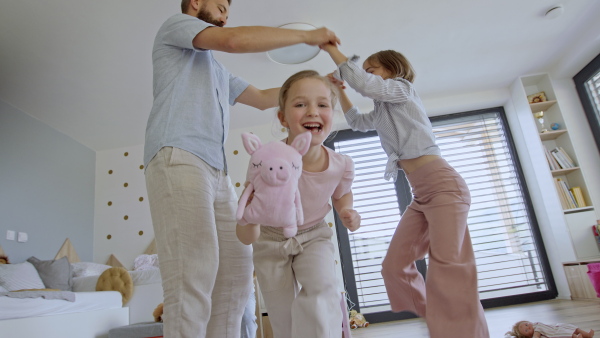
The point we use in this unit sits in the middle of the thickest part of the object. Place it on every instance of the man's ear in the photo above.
(283, 122)
(194, 6)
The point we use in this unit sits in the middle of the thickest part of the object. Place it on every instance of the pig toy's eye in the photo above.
(257, 165)
(294, 166)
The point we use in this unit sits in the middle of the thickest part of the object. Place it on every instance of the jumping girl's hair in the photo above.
(395, 62)
(515, 330)
(185, 4)
(305, 74)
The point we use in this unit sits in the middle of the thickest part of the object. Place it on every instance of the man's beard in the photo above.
(205, 16)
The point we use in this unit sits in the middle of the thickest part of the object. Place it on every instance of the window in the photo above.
(587, 82)
(511, 260)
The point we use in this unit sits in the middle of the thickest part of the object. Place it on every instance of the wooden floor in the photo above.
(582, 313)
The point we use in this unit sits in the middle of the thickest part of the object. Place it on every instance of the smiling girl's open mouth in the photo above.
(313, 127)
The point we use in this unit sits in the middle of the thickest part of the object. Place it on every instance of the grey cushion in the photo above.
(56, 274)
(149, 329)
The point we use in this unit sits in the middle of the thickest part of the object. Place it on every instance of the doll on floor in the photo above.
(526, 329)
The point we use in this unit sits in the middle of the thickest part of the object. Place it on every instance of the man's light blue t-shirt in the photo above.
(192, 94)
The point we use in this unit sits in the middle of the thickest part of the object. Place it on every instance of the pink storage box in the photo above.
(594, 275)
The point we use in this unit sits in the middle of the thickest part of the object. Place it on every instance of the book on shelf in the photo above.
(567, 156)
(551, 160)
(561, 194)
(567, 199)
(570, 198)
(578, 197)
(561, 159)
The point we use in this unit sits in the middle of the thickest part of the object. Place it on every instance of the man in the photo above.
(206, 271)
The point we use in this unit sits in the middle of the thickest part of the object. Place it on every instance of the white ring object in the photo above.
(554, 12)
(295, 54)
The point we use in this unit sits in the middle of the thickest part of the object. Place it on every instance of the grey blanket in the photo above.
(64, 295)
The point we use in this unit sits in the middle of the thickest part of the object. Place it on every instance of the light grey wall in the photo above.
(46, 188)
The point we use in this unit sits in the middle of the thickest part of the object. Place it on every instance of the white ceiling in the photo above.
(84, 67)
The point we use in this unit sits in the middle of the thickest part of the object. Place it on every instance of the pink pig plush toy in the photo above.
(273, 173)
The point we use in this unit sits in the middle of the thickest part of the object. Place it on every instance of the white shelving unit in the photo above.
(579, 218)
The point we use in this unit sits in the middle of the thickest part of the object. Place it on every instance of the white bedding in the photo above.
(12, 308)
(147, 293)
(139, 277)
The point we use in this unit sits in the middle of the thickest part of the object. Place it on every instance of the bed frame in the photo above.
(92, 324)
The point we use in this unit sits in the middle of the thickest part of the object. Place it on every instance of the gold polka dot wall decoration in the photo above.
(141, 199)
(140, 233)
(126, 184)
(109, 203)
(330, 224)
(237, 184)
(109, 237)
(110, 172)
(142, 166)
(126, 154)
(283, 130)
(125, 217)
(235, 152)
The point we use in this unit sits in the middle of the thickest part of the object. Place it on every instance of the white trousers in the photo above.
(298, 282)
(206, 271)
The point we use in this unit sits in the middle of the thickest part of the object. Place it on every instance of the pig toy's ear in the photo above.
(251, 142)
(302, 142)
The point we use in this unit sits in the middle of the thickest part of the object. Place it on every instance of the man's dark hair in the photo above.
(186, 3)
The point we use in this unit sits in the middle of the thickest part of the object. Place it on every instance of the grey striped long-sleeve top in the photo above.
(398, 117)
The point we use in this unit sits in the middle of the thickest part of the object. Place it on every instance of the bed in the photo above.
(56, 313)
(147, 292)
(88, 312)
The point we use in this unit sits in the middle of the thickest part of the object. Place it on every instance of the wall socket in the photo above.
(22, 237)
(10, 235)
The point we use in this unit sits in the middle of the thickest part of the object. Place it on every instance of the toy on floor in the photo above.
(273, 174)
(357, 320)
(158, 312)
(527, 329)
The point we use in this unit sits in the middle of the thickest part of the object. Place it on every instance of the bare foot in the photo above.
(591, 333)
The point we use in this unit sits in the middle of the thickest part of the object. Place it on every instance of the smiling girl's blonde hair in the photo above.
(301, 75)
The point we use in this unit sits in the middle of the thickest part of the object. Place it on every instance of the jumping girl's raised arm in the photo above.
(373, 86)
(359, 122)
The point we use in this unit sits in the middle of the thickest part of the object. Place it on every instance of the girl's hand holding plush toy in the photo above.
(273, 173)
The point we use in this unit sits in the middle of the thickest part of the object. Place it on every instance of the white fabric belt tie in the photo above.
(292, 246)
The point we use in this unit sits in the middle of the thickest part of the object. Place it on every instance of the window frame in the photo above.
(404, 198)
(580, 79)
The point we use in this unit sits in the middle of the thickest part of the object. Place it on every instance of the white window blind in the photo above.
(593, 88)
(505, 248)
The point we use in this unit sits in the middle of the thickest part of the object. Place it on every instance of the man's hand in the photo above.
(350, 219)
(336, 55)
(321, 36)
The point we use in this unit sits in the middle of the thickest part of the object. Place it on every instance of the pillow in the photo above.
(20, 276)
(84, 269)
(116, 279)
(56, 274)
(145, 262)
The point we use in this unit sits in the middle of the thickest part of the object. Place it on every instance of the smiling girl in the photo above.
(297, 275)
